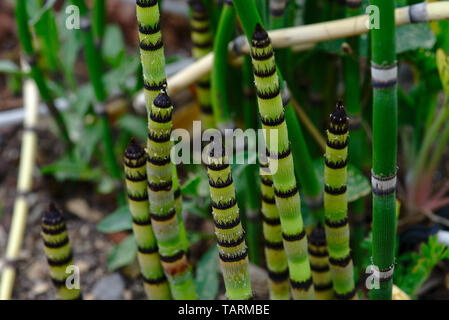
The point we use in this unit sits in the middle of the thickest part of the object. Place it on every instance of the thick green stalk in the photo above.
(99, 20)
(25, 38)
(225, 33)
(357, 147)
(59, 254)
(228, 227)
(162, 202)
(385, 123)
(280, 160)
(155, 282)
(319, 263)
(336, 205)
(47, 31)
(277, 264)
(202, 39)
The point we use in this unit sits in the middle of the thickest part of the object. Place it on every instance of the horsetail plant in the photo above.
(278, 285)
(59, 254)
(281, 164)
(161, 196)
(336, 204)
(153, 67)
(155, 282)
(202, 45)
(232, 249)
(385, 124)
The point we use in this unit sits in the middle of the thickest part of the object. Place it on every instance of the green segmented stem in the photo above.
(155, 282)
(161, 196)
(281, 164)
(319, 263)
(25, 38)
(58, 253)
(202, 44)
(151, 49)
(277, 264)
(231, 244)
(385, 136)
(336, 204)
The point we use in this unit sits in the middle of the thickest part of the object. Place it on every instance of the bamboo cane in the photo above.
(24, 185)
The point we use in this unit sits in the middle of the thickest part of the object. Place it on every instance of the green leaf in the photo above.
(195, 236)
(119, 220)
(7, 66)
(414, 36)
(117, 78)
(122, 254)
(206, 279)
(135, 125)
(36, 15)
(191, 185)
(113, 45)
(197, 208)
(358, 185)
(91, 135)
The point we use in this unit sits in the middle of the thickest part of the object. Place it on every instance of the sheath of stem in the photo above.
(202, 44)
(155, 282)
(233, 253)
(336, 204)
(385, 124)
(162, 203)
(59, 254)
(281, 162)
(278, 285)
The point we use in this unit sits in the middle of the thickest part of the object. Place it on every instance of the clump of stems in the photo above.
(170, 234)
(58, 253)
(336, 204)
(155, 282)
(385, 125)
(278, 285)
(202, 45)
(281, 164)
(232, 249)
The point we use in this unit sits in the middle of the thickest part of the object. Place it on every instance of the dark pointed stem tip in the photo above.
(259, 33)
(163, 100)
(339, 115)
(134, 150)
(52, 216)
(197, 6)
